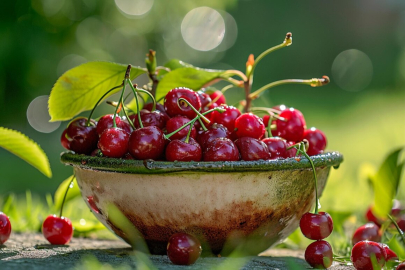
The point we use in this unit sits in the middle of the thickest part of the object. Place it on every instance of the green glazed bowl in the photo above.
(249, 204)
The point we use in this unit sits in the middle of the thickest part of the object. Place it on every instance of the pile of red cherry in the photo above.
(367, 253)
(176, 131)
(367, 241)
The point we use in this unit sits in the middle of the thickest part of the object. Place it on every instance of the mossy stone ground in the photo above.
(31, 251)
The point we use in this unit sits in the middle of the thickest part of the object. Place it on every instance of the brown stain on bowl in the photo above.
(248, 221)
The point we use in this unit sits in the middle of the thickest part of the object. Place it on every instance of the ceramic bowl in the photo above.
(250, 204)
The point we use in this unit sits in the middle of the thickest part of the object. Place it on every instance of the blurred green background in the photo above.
(360, 44)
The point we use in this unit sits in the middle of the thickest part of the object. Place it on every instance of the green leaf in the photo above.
(397, 246)
(25, 148)
(79, 88)
(73, 192)
(176, 63)
(339, 219)
(385, 184)
(190, 77)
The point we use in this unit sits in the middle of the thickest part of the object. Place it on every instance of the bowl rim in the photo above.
(120, 165)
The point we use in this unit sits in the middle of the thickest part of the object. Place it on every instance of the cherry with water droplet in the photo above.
(369, 231)
(317, 141)
(173, 107)
(180, 150)
(293, 126)
(249, 125)
(252, 149)
(57, 230)
(316, 226)
(113, 142)
(221, 149)
(146, 143)
(364, 251)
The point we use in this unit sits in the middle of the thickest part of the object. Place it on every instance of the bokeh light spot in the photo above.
(203, 28)
(134, 7)
(38, 115)
(231, 32)
(352, 70)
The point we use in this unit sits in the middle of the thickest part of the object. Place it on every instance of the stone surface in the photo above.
(32, 251)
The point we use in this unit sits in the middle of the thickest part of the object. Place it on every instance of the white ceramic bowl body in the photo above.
(225, 204)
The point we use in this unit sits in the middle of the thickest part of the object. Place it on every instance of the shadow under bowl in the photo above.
(251, 205)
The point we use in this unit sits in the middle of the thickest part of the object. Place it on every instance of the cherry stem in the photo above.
(219, 109)
(287, 42)
(118, 105)
(237, 73)
(303, 151)
(190, 129)
(192, 107)
(312, 82)
(150, 95)
(137, 104)
(64, 197)
(269, 125)
(95, 106)
(202, 124)
(401, 233)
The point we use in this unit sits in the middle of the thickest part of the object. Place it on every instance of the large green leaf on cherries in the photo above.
(190, 77)
(25, 148)
(79, 88)
(73, 192)
(385, 183)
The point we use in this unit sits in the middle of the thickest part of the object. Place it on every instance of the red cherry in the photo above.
(391, 255)
(64, 140)
(219, 97)
(106, 122)
(5, 228)
(293, 126)
(401, 223)
(316, 226)
(172, 105)
(148, 119)
(372, 218)
(181, 151)
(83, 139)
(114, 142)
(159, 107)
(362, 253)
(147, 143)
(252, 149)
(319, 254)
(205, 100)
(183, 249)
(277, 147)
(58, 231)
(177, 122)
(292, 152)
(249, 125)
(227, 118)
(213, 132)
(221, 149)
(317, 141)
(369, 231)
